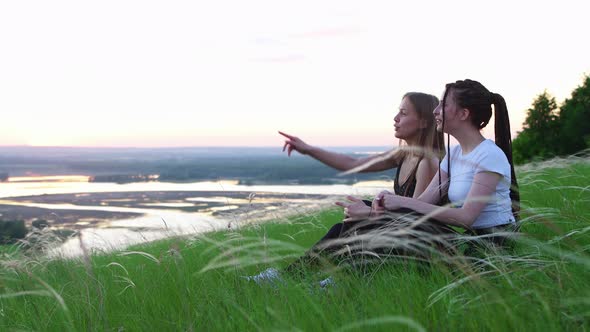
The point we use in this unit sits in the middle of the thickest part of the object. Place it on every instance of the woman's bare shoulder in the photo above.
(391, 155)
(429, 163)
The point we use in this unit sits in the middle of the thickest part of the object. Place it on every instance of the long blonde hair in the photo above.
(431, 141)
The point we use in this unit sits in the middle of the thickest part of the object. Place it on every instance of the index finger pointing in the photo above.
(286, 135)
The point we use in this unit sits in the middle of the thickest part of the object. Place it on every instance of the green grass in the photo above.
(195, 284)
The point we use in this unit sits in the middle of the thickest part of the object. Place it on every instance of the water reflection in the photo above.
(16, 189)
(111, 216)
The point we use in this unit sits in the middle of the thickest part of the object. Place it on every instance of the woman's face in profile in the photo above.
(438, 114)
(406, 122)
(450, 108)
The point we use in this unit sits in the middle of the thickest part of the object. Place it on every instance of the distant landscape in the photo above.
(246, 165)
(48, 186)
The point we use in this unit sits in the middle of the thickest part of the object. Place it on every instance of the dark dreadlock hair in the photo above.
(473, 96)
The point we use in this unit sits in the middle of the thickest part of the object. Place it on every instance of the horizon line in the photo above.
(178, 147)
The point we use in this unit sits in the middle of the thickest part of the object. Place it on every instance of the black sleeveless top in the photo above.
(407, 189)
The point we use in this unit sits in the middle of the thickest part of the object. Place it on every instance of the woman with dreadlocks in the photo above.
(478, 174)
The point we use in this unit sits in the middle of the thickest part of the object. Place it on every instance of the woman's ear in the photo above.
(464, 114)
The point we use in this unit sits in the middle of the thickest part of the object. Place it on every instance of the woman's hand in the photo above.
(377, 204)
(295, 143)
(356, 210)
(380, 195)
(392, 202)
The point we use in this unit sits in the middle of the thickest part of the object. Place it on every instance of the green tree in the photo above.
(575, 120)
(536, 140)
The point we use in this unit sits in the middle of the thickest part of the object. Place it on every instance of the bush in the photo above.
(12, 230)
(40, 223)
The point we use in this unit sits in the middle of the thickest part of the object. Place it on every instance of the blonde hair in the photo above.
(431, 141)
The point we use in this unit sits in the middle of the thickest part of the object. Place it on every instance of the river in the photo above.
(165, 209)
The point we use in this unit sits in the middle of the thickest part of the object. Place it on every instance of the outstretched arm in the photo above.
(335, 160)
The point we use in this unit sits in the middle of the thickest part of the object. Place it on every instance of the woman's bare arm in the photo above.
(336, 160)
(424, 175)
(432, 194)
(482, 190)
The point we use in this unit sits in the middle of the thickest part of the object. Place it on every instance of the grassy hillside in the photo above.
(195, 284)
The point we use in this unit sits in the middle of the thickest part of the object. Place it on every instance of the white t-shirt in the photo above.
(486, 157)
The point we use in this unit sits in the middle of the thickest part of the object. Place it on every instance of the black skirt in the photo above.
(401, 233)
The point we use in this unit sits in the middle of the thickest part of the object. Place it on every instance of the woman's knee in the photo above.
(334, 231)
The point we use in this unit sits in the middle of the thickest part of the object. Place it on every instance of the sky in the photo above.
(141, 73)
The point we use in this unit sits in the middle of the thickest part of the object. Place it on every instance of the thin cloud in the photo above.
(281, 59)
(328, 32)
(267, 41)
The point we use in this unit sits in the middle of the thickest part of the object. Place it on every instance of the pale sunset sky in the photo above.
(231, 73)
